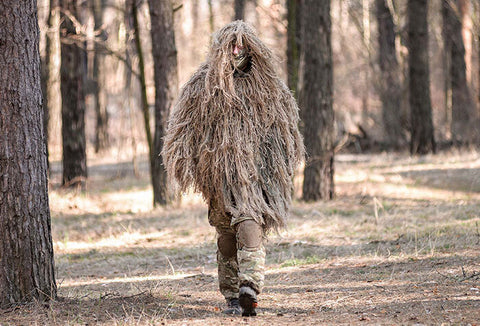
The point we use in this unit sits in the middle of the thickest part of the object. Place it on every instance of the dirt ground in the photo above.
(400, 244)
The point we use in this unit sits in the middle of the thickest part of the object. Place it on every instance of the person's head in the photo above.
(236, 48)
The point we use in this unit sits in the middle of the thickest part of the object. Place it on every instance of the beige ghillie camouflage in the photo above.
(233, 135)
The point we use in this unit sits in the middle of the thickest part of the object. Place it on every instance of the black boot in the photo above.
(233, 307)
(248, 301)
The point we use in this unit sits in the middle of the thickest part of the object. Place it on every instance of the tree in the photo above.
(73, 98)
(166, 83)
(26, 251)
(101, 113)
(422, 137)
(52, 99)
(467, 29)
(239, 9)
(462, 103)
(315, 97)
(294, 10)
(366, 42)
(211, 18)
(390, 85)
(446, 58)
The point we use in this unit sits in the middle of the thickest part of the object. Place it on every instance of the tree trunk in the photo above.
(467, 26)
(462, 103)
(316, 97)
(53, 100)
(26, 252)
(294, 10)
(211, 19)
(390, 85)
(366, 70)
(101, 125)
(447, 63)
(239, 9)
(128, 76)
(142, 77)
(166, 83)
(73, 100)
(422, 137)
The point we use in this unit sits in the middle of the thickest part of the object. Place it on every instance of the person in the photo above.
(233, 135)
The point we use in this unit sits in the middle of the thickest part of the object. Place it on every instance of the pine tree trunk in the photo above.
(166, 83)
(294, 10)
(467, 27)
(366, 70)
(462, 104)
(26, 252)
(447, 63)
(73, 100)
(142, 77)
(390, 86)
(422, 137)
(211, 18)
(101, 125)
(316, 97)
(53, 99)
(239, 9)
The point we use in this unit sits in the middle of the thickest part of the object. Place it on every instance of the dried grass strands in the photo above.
(235, 137)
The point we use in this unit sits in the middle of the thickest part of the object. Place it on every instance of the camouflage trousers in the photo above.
(240, 253)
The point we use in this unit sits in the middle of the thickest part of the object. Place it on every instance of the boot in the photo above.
(248, 301)
(233, 307)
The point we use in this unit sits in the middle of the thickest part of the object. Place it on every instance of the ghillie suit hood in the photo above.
(233, 135)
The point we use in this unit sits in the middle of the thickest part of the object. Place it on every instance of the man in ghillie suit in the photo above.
(234, 136)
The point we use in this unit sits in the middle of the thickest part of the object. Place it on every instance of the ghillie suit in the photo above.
(233, 135)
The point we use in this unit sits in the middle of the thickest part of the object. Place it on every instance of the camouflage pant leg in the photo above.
(227, 264)
(240, 252)
(251, 265)
(250, 254)
(243, 266)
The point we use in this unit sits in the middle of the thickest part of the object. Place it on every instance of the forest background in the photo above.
(398, 243)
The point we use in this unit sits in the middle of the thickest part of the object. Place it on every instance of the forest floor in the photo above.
(400, 244)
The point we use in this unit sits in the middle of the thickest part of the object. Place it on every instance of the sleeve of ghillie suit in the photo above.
(282, 151)
(180, 145)
(294, 148)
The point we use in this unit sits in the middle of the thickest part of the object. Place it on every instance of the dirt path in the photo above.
(399, 245)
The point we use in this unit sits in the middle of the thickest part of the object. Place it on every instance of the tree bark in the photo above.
(101, 121)
(467, 25)
(239, 9)
(447, 63)
(366, 70)
(422, 136)
(142, 77)
(166, 83)
(316, 97)
(26, 251)
(294, 10)
(53, 99)
(211, 19)
(73, 99)
(390, 85)
(462, 103)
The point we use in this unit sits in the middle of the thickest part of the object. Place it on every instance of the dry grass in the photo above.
(399, 245)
